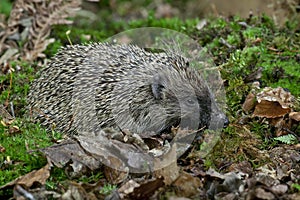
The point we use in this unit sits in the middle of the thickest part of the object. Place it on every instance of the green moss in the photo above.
(18, 158)
(15, 85)
(5, 7)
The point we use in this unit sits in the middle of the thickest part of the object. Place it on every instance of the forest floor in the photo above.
(257, 156)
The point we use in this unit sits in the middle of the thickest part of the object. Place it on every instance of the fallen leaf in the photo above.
(263, 194)
(280, 95)
(2, 149)
(270, 109)
(146, 189)
(69, 150)
(113, 175)
(279, 189)
(128, 187)
(76, 191)
(249, 103)
(187, 185)
(36, 176)
(295, 116)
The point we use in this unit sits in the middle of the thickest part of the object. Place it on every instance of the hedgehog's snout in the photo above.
(226, 122)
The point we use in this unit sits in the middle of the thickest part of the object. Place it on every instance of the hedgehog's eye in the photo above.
(191, 101)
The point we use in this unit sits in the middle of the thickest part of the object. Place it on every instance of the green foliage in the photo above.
(170, 23)
(107, 189)
(18, 158)
(5, 7)
(15, 85)
(92, 178)
(296, 186)
(287, 139)
(57, 175)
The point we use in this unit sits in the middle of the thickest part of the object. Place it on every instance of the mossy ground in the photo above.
(239, 47)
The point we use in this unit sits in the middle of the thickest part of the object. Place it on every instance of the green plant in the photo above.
(107, 189)
(297, 186)
(5, 7)
(287, 139)
(92, 178)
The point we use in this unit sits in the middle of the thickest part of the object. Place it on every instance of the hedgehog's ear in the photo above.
(157, 87)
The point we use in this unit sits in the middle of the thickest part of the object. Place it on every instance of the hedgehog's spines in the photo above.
(127, 94)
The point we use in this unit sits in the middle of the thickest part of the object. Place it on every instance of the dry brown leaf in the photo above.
(30, 23)
(128, 187)
(2, 149)
(14, 130)
(6, 117)
(61, 154)
(187, 185)
(249, 103)
(134, 190)
(167, 166)
(113, 175)
(9, 53)
(36, 176)
(76, 191)
(261, 193)
(270, 109)
(47, 14)
(243, 166)
(146, 189)
(280, 95)
(295, 116)
(273, 103)
(279, 189)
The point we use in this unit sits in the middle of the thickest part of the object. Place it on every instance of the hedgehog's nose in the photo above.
(226, 122)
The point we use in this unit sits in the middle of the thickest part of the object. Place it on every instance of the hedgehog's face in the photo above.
(186, 103)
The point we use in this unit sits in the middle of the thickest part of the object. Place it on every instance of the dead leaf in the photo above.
(295, 116)
(225, 183)
(7, 119)
(257, 40)
(146, 189)
(128, 187)
(270, 109)
(263, 194)
(249, 103)
(279, 189)
(281, 124)
(2, 149)
(280, 95)
(9, 53)
(113, 175)
(243, 166)
(14, 129)
(107, 151)
(30, 23)
(76, 191)
(134, 190)
(187, 185)
(286, 160)
(166, 167)
(70, 151)
(36, 176)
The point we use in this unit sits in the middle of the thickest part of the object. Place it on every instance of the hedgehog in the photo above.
(90, 87)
